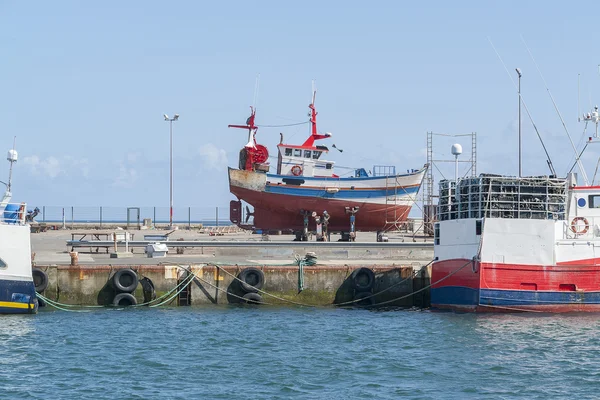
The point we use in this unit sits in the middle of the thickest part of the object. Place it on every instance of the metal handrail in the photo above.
(15, 215)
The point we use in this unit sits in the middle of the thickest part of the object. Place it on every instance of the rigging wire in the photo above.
(548, 160)
(281, 126)
(585, 179)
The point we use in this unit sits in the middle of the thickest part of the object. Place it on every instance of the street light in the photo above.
(519, 73)
(175, 118)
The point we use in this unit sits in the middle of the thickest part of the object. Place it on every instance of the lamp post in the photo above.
(519, 74)
(175, 118)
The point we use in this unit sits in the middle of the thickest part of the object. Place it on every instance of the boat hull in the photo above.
(17, 297)
(502, 287)
(17, 290)
(280, 206)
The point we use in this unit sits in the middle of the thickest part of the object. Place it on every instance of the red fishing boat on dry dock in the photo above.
(305, 192)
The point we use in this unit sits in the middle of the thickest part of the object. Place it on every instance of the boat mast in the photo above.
(314, 135)
(12, 158)
(251, 128)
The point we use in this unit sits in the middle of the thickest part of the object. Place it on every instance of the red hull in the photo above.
(274, 211)
(491, 287)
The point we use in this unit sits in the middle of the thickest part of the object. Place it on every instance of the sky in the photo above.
(84, 86)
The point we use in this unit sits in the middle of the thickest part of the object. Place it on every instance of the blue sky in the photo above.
(85, 85)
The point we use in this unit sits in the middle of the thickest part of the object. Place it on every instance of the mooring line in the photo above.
(511, 308)
(232, 294)
(420, 290)
(263, 292)
(65, 307)
(56, 305)
(389, 287)
(185, 282)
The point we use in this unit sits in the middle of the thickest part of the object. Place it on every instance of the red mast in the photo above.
(252, 153)
(313, 122)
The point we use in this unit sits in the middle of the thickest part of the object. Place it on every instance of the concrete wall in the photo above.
(323, 285)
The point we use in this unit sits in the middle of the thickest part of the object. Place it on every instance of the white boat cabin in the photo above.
(303, 161)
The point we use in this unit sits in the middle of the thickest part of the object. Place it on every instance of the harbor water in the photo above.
(227, 352)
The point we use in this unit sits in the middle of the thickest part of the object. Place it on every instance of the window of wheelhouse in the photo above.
(436, 233)
(594, 201)
(297, 152)
(478, 227)
(288, 152)
(307, 153)
(316, 154)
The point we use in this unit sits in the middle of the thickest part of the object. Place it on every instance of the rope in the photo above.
(281, 126)
(58, 305)
(188, 279)
(229, 293)
(262, 291)
(388, 288)
(308, 260)
(422, 289)
(194, 276)
(82, 308)
(300, 276)
(511, 308)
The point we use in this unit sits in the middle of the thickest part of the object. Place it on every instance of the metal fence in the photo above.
(69, 216)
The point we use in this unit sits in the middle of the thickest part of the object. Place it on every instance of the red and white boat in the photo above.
(517, 244)
(304, 185)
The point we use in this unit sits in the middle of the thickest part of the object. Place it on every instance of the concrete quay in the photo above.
(397, 270)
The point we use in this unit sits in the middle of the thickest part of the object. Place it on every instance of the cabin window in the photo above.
(307, 153)
(594, 201)
(436, 233)
(288, 152)
(478, 227)
(316, 154)
(3, 265)
(297, 153)
(328, 166)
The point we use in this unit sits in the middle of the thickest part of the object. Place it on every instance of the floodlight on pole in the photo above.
(175, 118)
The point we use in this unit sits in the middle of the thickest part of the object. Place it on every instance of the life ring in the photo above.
(297, 170)
(577, 229)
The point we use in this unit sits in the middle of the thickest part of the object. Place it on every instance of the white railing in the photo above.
(13, 213)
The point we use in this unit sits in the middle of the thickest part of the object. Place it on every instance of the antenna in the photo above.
(578, 98)
(548, 160)
(256, 87)
(12, 158)
(585, 179)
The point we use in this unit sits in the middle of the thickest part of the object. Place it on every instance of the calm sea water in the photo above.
(253, 353)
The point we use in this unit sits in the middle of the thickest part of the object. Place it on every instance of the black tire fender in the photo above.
(40, 279)
(251, 279)
(253, 298)
(148, 289)
(364, 299)
(124, 300)
(125, 280)
(363, 279)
